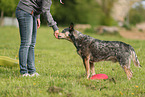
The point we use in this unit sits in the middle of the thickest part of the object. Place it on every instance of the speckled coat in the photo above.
(94, 50)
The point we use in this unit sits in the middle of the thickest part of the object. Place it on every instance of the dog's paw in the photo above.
(94, 74)
(88, 76)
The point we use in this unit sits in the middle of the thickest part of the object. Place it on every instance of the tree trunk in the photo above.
(2, 18)
(121, 8)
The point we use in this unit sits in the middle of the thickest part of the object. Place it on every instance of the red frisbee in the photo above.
(99, 76)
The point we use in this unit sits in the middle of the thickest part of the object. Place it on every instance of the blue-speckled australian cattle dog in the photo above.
(94, 50)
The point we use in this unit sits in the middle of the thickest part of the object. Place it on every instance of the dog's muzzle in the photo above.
(59, 37)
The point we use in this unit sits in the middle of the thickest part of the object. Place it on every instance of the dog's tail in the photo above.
(134, 58)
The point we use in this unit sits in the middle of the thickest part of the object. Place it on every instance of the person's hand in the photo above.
(38, 23)
(56, 33)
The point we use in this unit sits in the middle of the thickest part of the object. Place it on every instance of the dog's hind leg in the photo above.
(87, 66)
(92, 67)
(125, 64)
(128, 72)
(126, 68)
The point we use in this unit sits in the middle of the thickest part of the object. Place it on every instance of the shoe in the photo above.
(25, 75)
(35, 74)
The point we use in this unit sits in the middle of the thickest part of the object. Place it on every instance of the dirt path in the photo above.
(132, 34)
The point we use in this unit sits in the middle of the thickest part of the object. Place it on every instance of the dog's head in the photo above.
(69, 33)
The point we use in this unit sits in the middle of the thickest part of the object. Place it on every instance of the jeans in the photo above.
(28, 31)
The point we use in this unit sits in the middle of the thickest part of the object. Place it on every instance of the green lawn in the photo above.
(62, 71)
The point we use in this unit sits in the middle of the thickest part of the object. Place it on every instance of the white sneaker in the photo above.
(35, 74)
(25, 75)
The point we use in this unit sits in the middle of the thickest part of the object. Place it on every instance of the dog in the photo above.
(94, 50)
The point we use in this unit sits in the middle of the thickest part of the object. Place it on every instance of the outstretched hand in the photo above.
(56, 33)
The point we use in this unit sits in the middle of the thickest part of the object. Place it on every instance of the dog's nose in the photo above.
(59, 36)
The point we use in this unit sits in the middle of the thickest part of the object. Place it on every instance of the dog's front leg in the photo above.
(87, 66)
(92, 67)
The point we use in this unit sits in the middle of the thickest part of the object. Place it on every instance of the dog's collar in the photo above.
(80, 34)
(82, 37)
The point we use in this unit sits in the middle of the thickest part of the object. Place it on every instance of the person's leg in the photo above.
(26, 27)
(31, 57)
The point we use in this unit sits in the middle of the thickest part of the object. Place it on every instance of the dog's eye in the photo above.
(63, 31)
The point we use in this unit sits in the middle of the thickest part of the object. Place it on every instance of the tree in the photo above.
(106, 7)
(77, 11)
(7, 7)
(121, 9)
(137, 14)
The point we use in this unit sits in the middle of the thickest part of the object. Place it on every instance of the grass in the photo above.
(62, 71)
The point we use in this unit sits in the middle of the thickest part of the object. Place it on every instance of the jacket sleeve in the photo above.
(46, 4)
(38, 16)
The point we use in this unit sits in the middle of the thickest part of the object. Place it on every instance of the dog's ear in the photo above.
(71, 27)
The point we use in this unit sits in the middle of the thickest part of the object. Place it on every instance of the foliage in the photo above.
(137, 14)
(8, 6)
(77, 11)
(59, 66)
(86, 12)
(106, 7)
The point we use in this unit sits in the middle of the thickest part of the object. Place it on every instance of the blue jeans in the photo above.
(28, 30)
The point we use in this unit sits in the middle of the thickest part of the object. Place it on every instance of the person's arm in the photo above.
(46, 12)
